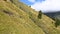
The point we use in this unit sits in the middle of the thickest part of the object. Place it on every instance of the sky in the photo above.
(44, 5)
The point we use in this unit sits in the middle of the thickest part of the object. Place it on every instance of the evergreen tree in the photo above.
(40, 14)
(29, 6)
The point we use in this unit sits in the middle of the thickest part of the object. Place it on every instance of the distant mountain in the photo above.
(53, 15)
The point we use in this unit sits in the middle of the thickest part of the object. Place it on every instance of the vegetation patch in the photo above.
(7, 12)
(40, 14)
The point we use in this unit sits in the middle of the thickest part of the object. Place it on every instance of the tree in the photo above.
(57, 23)
(40, 14)
(29, 6)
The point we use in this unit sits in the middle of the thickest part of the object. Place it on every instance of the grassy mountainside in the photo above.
(17, 18)
(55, 16)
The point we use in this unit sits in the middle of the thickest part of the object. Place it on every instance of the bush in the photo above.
(40, 14)
(57, 23)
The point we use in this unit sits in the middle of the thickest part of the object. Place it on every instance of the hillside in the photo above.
(18, 18)
(53, 14)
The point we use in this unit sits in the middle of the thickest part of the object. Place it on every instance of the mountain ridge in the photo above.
(53, 14)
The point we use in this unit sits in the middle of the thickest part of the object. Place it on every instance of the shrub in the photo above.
(40, 14)
(57, 23)
(29, 6)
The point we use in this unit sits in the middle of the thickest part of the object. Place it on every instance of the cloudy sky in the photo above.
(44, 5)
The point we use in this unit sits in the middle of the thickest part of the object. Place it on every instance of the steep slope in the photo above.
(45, 23)
(55, 16)
(17, 18)
(17, 22)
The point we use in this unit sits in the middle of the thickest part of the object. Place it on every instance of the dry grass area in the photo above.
(18, 18)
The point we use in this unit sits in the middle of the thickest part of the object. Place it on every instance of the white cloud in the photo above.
(31, 0)
(52, 5)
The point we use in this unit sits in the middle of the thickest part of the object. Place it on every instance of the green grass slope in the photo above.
(17, 18)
